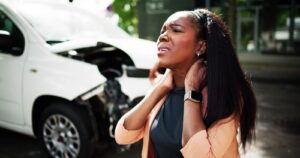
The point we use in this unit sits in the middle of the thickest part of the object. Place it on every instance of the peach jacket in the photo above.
(219, 141)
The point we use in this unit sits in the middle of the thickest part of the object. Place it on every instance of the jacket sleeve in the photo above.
(212, 143)
(124, 136)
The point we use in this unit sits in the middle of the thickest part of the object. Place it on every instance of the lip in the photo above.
(163, 48)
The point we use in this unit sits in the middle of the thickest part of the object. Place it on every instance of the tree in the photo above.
(126, 9)
(232, 19)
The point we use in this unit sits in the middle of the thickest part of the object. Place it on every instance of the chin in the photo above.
(164, 64)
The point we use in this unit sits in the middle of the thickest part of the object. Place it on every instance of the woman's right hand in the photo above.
(137, 116)
(166, 81)
(154, 76)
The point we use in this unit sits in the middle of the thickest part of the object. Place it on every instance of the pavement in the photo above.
(276, 85)
(266, 67)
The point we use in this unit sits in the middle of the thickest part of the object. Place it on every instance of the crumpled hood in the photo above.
(142, 52)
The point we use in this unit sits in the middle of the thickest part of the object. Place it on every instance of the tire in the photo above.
(65, 131)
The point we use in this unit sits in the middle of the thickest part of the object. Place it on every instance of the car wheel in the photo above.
(65, 131)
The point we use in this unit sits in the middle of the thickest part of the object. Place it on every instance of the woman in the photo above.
(203, 98)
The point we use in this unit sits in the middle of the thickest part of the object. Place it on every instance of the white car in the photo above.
(67, 74)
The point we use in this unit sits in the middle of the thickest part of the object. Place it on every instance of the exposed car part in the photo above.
(109, 59)
(114, 104)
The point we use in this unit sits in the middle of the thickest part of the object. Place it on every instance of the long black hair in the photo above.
(229, 92)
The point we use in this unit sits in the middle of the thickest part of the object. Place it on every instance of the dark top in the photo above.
(166, 129)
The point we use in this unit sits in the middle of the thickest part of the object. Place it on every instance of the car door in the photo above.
(11, 68)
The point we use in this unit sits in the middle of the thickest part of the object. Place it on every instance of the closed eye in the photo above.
(173, 27)
(176, 30)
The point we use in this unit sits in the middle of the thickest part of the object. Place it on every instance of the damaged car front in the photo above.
(80, 73)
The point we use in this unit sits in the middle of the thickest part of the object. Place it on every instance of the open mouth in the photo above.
(163, 49)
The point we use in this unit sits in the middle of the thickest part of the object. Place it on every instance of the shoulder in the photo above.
(230, 123)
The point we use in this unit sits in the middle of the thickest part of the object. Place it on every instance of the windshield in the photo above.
(61, 22)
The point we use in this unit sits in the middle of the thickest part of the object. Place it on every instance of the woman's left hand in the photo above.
(195, 78)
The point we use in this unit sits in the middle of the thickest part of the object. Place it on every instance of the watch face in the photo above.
(196, 96)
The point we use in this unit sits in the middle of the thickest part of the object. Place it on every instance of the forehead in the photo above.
(180, 18)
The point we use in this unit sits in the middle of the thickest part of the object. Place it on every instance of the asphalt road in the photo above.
(278, 125)
(277, 132)
(15, 145)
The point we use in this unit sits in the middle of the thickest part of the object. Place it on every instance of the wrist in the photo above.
(162, 89)
(193, 96)
(191, 88)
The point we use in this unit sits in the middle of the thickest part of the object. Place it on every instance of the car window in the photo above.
(11, 38)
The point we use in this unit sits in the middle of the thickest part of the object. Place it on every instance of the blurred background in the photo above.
(266, 35)
(257, 26)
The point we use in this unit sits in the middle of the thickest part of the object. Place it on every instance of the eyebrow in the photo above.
(172, 25)
(175, 24)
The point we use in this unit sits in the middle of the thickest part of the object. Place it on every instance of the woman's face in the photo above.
(177, 43)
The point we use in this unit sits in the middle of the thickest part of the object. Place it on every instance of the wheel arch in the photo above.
(47, 105)
(40, 104)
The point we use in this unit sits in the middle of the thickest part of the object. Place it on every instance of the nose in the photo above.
(163, 37)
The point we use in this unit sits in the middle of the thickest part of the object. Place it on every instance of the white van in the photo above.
(67, 74)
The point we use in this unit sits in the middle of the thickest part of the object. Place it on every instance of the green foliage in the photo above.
(282, 16)
(217, 11)
(247, 34)
(247, 13)
(126, 9)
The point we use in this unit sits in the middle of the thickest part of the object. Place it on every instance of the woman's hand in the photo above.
(154, 76)
(196, 77)
(166, 81)
(137, 116)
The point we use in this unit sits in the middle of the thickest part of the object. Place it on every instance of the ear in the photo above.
(201, 47)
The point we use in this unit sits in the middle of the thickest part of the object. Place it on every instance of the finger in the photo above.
(200, 63)
(196, 64)
(167, 71)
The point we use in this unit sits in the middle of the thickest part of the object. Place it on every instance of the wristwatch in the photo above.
(193, 96)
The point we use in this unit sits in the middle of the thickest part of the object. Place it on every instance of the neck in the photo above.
(179, 77)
